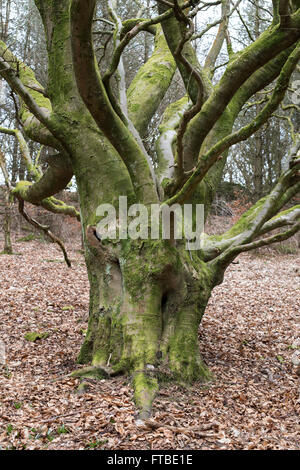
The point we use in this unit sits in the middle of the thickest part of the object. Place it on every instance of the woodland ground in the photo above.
(249, 338)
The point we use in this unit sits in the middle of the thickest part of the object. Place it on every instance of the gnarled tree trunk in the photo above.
(147, 299)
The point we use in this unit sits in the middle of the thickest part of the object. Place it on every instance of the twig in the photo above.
(44, 229)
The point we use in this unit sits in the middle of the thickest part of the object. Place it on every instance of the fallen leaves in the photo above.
(249, 338)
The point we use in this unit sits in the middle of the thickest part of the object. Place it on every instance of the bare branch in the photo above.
(94, 95)
(280, 237)
(46, 230)
(215, 153)
(255, 57)
(257, 218)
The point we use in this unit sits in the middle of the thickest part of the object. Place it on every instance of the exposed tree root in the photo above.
(145, 389)
(145, 385)
(92, 373)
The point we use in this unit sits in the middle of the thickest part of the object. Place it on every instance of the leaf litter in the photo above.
(249, 338)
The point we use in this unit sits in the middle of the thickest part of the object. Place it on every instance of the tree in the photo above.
(257, 162)
(7, 249)
(147, 297)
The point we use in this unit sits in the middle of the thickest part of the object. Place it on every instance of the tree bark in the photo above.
(7, 250)
(147, 299)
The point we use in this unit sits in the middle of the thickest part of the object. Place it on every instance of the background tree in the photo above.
(7, 249)
(257, 163)
(147, 297)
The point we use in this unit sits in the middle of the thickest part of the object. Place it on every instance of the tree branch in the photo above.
(94, 95)
(212, 246)
(280, 237)
(35, 109)
(215, 153)
(145, 96)
(260, 217)
(221, 35)
(46, 230)
(178, 33)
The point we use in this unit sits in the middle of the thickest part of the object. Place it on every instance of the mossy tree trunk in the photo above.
(7, 250)
(147, 297)
(146, 303)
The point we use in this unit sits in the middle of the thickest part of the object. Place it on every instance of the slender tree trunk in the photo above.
(7, 250)
(14, 169)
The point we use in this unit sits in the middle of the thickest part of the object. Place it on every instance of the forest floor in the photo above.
(250, 339)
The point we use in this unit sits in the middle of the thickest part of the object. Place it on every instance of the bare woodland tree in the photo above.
(7, 216)
(147, 297)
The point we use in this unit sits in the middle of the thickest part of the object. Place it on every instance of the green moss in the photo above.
(144, 261)
(91, 372)
(32, 126)
(150, 84)
(285, 213)
(67, 308)
(8, 252)
(82, 388)
(86, 353)
(35, 336)
(21, 188)
(29, 238)
(242, 224)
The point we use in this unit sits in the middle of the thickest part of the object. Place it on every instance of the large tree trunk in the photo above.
(147, 298)
(7, 250)
(146, 302)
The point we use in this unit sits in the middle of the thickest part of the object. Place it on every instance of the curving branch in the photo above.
(221, 35)
(55, 179)
(280, 237)
(215, 153)
(187, 34)
(131, 28)
(179, 32)
(213, 246)
(283, 219)
(36, 107)
(45, 229)
(51, 204)
(94, 95)
(144, 95)
(268, 46)
(262, 217)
